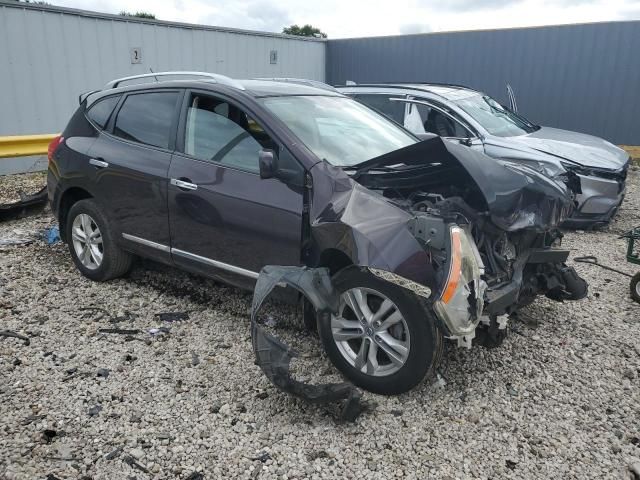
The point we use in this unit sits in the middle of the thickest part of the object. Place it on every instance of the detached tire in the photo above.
(91, 243)
(383, 339)
(635, 287)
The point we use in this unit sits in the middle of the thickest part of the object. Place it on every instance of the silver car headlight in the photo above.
(462, 301)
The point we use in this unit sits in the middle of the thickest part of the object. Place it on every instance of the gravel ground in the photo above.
(560, 398)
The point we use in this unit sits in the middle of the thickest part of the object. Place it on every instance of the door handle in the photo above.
(96, 162)
(183, 184)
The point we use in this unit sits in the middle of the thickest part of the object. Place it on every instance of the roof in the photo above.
(448, 91)
(270, 88)
(254, 88)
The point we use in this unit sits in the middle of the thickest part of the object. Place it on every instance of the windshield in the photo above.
(494, 118)
(338, 129)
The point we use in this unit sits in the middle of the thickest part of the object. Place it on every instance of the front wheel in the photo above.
(382, 339)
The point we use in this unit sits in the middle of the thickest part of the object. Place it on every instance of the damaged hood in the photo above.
(516, 196)
(573, 147)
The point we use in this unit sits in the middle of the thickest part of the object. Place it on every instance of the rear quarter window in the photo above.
(100, 111)
(147, 118)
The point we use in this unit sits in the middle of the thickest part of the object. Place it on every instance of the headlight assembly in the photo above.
(462, 301)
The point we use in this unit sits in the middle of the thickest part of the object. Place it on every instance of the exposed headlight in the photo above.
(462, 301)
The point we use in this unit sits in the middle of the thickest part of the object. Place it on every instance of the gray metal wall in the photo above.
(49, 55)
(579, 77)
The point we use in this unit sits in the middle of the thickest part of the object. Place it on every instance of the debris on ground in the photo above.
(95, 410)
(159, 331)
(274, 357)
(171, 317)
(28, 204)
(10, 334)
(51, 235)
(133, 463)
(121, 331)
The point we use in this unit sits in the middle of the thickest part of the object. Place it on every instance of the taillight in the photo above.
(53, 146)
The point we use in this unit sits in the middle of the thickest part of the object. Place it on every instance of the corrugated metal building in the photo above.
(48, 55)
(577, 77)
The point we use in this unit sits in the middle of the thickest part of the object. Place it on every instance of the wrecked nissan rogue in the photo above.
(418, 241)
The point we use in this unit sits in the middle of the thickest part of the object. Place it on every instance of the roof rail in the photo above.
(301, 81)
(221, 79)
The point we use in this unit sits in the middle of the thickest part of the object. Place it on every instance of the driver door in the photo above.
(225, 220)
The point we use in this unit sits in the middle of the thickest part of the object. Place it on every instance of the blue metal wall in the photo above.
(578, 77)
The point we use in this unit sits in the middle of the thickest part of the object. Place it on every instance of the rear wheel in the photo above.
(91, 243)
(382, 339)
(635, 287)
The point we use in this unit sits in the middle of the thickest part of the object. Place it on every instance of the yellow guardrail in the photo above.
(25, 145)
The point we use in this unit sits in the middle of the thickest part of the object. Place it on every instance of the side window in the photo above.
(147, 118)
(383, 104)
(220, 132)
(100, 111)
(437, 122)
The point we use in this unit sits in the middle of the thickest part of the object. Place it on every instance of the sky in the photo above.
(360, 18)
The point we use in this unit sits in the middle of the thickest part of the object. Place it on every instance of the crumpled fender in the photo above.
(365, 226)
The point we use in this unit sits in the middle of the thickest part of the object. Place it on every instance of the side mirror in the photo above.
(267, 163)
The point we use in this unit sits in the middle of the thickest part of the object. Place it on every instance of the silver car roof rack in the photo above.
(301, 81)
(221, 79)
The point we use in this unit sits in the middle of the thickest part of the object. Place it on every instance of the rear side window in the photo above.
(147, 118)
(100, 112)
(383, 104)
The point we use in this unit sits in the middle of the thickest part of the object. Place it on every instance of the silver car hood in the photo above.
(579, 148)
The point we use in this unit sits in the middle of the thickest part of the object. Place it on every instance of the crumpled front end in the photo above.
(424, 252)
(505, 216)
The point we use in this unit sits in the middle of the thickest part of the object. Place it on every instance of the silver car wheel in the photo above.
(638, 289)
(87, 241)
(370, 332)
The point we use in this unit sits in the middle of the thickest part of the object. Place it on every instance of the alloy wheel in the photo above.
(87, 241)
(370, 332)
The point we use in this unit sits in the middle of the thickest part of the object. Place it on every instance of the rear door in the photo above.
(225, 220)
(131, 159)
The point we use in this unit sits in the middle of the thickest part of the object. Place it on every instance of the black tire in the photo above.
(425, 338)
(635, 287)
(115, 261)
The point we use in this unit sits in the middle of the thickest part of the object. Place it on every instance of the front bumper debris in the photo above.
(26, 205)
(274, 357)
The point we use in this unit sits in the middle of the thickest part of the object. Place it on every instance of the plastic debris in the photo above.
(274, 357)
(26, 205)
(95, 410)
(159, 331)
(8, 333)
(51, 235)
(133, 463)
(122, 331)
(172, 316)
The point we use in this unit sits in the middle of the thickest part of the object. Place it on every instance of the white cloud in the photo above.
(354, 18)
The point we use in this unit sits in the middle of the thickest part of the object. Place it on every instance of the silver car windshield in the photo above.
(493, 117)
(338, 129)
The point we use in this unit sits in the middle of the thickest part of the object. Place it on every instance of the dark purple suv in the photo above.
(424, 240)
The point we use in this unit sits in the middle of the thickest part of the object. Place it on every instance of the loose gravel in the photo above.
(560, 398)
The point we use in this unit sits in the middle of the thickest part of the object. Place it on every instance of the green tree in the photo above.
(305, 31)
(148, 15)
